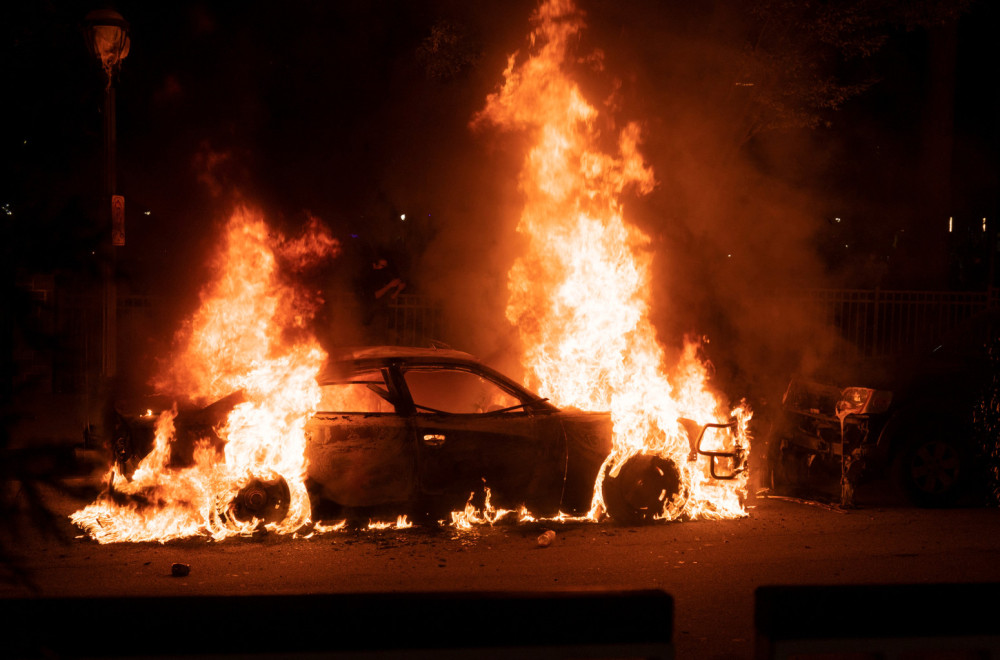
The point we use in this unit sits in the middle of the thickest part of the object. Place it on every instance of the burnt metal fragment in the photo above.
(546, 538)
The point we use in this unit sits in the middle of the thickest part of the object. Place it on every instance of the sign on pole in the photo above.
(118, 220)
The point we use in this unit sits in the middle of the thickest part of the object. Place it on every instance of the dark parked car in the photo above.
(912, 419)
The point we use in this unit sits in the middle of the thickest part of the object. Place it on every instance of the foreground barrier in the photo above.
(634, 624)
(883, 622)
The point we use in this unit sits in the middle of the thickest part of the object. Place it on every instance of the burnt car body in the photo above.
(437, 425)
(414, 430)
(908, 420)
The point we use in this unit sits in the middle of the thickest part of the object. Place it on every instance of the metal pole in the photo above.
(993, 244)
(875, 323)
(109, 321)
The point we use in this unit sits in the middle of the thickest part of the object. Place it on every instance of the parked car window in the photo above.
(364, 392)
(457, 392)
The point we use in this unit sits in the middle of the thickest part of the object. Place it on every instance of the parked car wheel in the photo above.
(931, 467)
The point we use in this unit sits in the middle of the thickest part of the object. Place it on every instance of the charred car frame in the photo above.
(414, 430)
(910, 420)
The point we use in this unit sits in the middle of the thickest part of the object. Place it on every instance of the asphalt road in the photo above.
(710, 568)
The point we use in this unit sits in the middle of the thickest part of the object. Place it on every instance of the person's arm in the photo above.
(396, 283)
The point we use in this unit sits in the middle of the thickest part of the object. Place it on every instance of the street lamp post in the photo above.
(108, 37)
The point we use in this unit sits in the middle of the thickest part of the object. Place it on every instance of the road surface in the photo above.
(711, 568)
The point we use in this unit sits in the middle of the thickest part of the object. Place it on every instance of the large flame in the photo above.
(580, 295)
(579, 298)
(250, 336)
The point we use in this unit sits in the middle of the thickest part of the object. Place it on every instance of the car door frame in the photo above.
(352, 480)
(546, 481)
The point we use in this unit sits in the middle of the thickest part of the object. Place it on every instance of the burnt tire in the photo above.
(643, 487)
(267, 500)
(932, 468)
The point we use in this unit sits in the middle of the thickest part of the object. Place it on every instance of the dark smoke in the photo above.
(728, 232)
(746, 129)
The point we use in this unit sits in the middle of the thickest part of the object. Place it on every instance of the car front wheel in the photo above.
(644, 488)
(262, 498)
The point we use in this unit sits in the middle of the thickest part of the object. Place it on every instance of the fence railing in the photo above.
(877, 322)
(409, 319)
(872, 323)
(414, 320)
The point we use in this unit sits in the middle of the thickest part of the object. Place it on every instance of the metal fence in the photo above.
(877, 322)
(872, 323)
(409, 320)
(58, 345)
(414, 320)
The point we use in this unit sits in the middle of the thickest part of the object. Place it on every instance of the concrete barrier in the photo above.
(911, 621)
(629, 624)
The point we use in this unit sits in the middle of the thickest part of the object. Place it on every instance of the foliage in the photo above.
(986, 425)
(449, 51)
(802, 59)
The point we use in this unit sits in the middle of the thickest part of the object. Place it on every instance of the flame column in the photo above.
(108, 38)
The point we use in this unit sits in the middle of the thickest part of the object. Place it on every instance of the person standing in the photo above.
(380, 286)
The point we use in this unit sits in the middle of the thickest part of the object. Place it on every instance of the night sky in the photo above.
(348, 111)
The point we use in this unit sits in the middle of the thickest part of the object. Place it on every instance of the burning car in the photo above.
(909, 419)
(415, 430)
(423, 428)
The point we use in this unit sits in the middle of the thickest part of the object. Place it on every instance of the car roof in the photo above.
(343, 361)
(355, 353)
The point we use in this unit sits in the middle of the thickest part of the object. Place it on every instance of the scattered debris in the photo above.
(797, 500)
(546, 538)
(259, 531)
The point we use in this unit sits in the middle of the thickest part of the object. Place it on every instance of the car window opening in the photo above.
(365, 394)
(459, 392)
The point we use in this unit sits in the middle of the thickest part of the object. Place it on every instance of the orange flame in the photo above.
(250, 335)
(470, 516)
(401, 522)
(580, 295)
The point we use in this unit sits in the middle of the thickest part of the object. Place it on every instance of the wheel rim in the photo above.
(265, 499)
(935, 466)
(647, 486)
